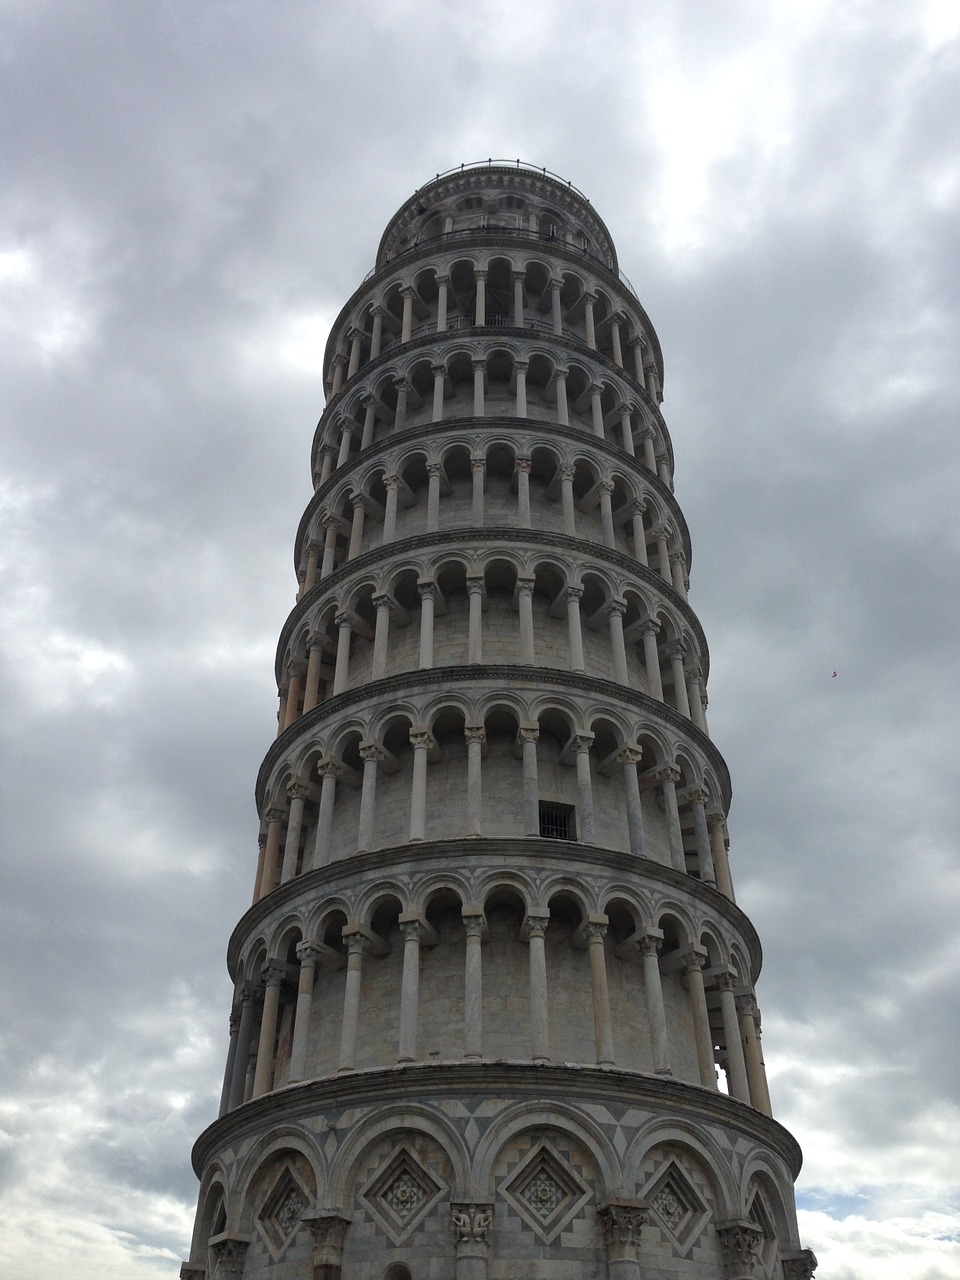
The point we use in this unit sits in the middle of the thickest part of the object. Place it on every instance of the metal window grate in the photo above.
(557, 822)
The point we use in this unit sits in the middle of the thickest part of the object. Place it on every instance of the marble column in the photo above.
(595, 930)
(328, 769)
(589, 324)
(427, 592)
(649, 947)
(476, 737)
(528, 736)
(736, 1066)
(556, 313)
(381, 635)
(615, 611)
(273, 975)
(637, 509)
(307, 954)
(695, 959)
(478, 470)
(677, 653)
(534, 927)
(392, 485)
(605, 488)
(275, 817)
(525, 586)
(518, 278)
(299, 792)
(651, 658)
(573, 596)
(443, 283)
(668, 779)
(342, 668)
(474, 926)
(523, 468)
(479, 377)
(566, 501)
(357, 946)
(376, 333)
(421, 741)
(628, 758)
(481, 310)
(520, 369)
(697, 799)
(412, 929)
(596, 410)
(434, 481)
(241, 1065)
(438, 380)
(371, 753)
(475, 592)
(581, 743)
(753, 1053)
(560, 382)
(406, 323)
(231, 1065)
(718, 845)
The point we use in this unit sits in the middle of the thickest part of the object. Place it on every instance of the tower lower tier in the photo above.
(495, 1170)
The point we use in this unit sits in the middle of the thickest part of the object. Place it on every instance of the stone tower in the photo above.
(494, 959)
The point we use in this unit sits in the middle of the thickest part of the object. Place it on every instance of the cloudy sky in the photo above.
(191, 191)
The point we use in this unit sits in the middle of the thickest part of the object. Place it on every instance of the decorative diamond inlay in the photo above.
(679, 1209)
(401, 1193)
(546, 1192)
(279, 1218)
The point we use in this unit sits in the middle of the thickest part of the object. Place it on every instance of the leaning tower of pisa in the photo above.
(494, 1013)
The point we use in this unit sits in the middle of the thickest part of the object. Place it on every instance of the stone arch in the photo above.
(521, 1117)
(394, 1122)
(213, 1211)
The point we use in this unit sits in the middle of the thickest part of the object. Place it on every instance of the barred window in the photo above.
(558, 821)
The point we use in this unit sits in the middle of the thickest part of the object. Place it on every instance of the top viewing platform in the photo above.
(505, 197)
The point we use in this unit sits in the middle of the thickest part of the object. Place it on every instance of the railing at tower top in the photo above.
(504, 228)
(505, 164)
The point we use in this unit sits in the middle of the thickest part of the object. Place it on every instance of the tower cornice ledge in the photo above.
(477, 850)
(536, 428)
(521, 677)
(491, 537)
(520, 1081)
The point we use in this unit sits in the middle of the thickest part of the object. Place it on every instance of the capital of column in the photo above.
(475, 733)
(581, 742)
(799, 1264)
(573, 593)
(296, 667)
(649, 943)
(421, 740)
(329, 768)
(630, 755)
(408, 292)
(649, 627)
(329, 1231)
(229, 1253)
(478, 463)
(593, 932)
(534, 925)
(523, 465)
(343, 618)
(678, 650)
(273, 973)
(427, 587)
(725, 981)
(471, 1227)
(560, 375)
(435, 470)
(308, 953)
(474, 924)
(275, 814)
(528, 733)
(694, 958)
(697, 796)
(358, 943)
(392, 482)
(316, 640)
(372, 751)
(667, 774)
(739, 1244)
(619, 607)
(314, 548)
(521, 366)
(716, 819)
(412, 929)
(606, 486)
(662, 532)
(443, 279)
(401, 384)
(622, 1223)
(747, 1005)
(299, 790)
(525, 585)
(480, 273)
(476, 584)
(567, 473)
